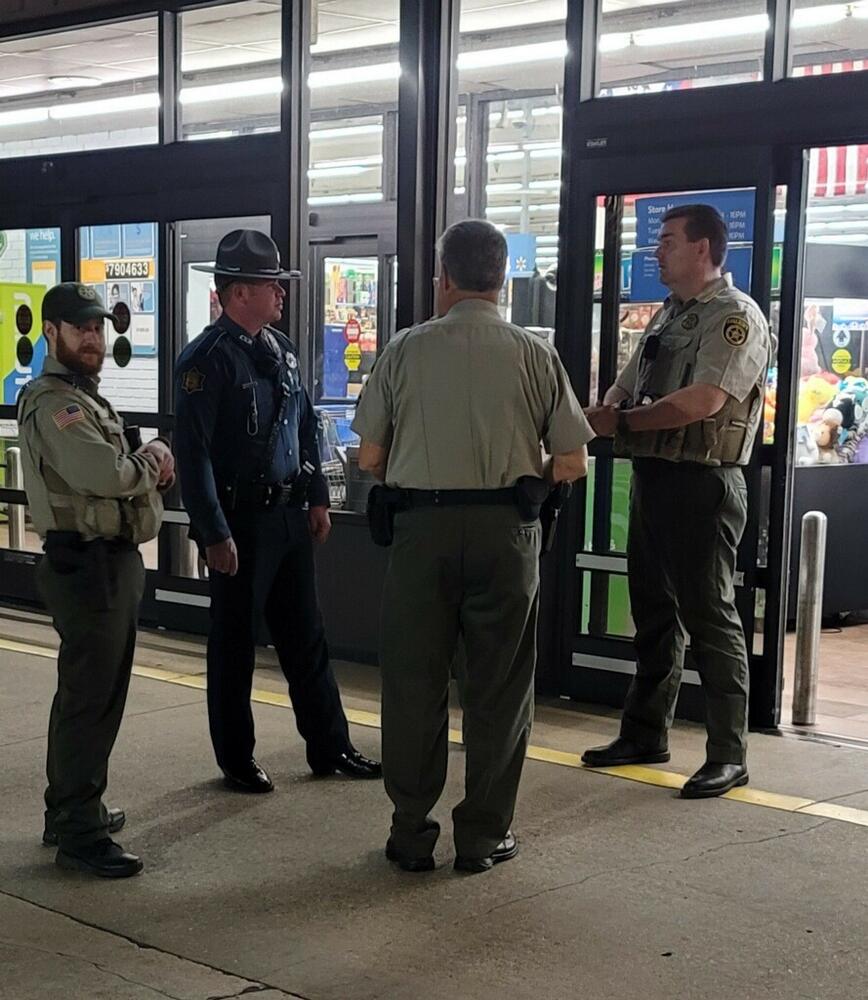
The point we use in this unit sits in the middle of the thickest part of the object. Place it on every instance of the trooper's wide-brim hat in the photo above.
(247, 253)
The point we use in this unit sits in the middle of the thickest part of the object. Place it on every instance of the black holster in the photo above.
(549, 513)
(530, 495)
(383, 503)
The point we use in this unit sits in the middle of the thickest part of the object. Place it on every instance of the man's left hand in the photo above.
(319, 523)
(603, 419)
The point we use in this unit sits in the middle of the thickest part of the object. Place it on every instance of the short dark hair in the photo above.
(222, 284)
(473, 253)
(704, 222)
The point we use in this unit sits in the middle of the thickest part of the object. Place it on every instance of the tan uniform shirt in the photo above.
(76, 461)
(463, 401)
(719, 338)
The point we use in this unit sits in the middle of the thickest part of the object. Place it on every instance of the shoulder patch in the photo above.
(68, 415)
(192, 380)
(736, 330)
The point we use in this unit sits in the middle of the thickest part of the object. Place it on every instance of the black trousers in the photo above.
(275, 581)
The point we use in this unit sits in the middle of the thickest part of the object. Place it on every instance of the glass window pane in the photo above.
(89, 88)
(120, 262)
(353, 90)
(349, 331)
(230, 65)
(647, 47)
(510, 79)
(832, 404)
(29, 263)
(828, 37)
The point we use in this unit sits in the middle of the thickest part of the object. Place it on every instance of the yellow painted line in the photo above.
(632, 772)
(846, 814)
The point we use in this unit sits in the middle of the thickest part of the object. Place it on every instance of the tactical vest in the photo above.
(136, 519)
(723, 439)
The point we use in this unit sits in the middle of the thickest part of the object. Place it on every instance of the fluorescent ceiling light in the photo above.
(458, 190)
(230, 91)
(74, 81)
(345, 132)
(545, 185)
(345, 199)
(503, 210)
(109, 106)
(502, 188)
(842, 224)
(753, 24)
(316, 172)
(546, 153)
(539, 52)
(24, 116)
(551, 207)
(355, 161)
(504, 157)
(354, 75)
(547, 239)
(814, 17)
(220, 134)
(614, 41)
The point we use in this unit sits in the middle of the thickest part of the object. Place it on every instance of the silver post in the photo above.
(15, 481)
(809, 615)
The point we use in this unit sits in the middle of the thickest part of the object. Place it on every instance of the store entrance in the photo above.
(831, 431)
(619, 292)
(352, 316)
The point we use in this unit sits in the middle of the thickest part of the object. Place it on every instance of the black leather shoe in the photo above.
(250, 777)
(506, 849)
(623, 751)
(352, 764)
(714, 779)
(116, 820)
(104, 858)
(406, 863)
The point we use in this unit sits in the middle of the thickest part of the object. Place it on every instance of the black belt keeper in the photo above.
(459, 498)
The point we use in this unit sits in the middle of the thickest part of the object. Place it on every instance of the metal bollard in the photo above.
(15, 481)
(809, 617)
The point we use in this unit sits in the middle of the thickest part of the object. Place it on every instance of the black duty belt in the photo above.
(459, 498)
(75, 540)
(262, 496)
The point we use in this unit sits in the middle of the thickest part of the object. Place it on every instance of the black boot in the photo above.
(623, 751)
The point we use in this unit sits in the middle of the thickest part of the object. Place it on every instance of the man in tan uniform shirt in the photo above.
(687, 409)
(454, 414)
(93, 498)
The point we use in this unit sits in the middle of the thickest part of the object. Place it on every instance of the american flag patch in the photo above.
(68, 415)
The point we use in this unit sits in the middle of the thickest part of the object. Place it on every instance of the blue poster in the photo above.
(43, 245)
(334, 371)
(140, 239)
(645, 284)
(105, 242)
(84, 243)
(521, 255)
(736, 207)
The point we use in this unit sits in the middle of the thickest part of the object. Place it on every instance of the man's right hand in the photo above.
(222, 557)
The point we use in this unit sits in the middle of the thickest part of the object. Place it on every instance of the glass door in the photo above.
(619, 292)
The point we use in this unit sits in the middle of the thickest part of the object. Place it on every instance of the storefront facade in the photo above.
(132, 136)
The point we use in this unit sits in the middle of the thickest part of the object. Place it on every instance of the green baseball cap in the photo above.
(74, 303)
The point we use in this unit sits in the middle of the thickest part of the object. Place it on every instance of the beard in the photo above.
(82, 362)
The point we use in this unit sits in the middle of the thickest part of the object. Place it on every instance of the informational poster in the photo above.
(645, 284)
(120, 262)
(22, 346)
(736, 207)
(42, 251)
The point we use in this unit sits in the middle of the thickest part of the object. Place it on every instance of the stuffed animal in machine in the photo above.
(815, 393)
(851, 403)
(770, 406)
(825, 433)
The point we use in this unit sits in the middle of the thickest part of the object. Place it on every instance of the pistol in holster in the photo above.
(550, 512)
(383, 503)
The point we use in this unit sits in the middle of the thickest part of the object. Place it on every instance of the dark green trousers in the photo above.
(471, 571)
(686, 522)
(93, 593)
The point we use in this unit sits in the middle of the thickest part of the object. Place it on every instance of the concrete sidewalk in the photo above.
(621, 889)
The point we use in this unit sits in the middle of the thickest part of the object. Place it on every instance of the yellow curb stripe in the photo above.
(846, 814)
(633, 772)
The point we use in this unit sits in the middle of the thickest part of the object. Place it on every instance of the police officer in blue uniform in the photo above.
(246, 443)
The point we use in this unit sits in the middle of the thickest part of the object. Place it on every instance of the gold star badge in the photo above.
(736, 330)
(192, 380)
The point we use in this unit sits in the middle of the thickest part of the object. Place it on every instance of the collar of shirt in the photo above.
(711, 291)
(473, 307)
(52, 366)
(230, 326)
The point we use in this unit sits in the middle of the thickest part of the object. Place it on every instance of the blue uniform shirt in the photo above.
(242, 416)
